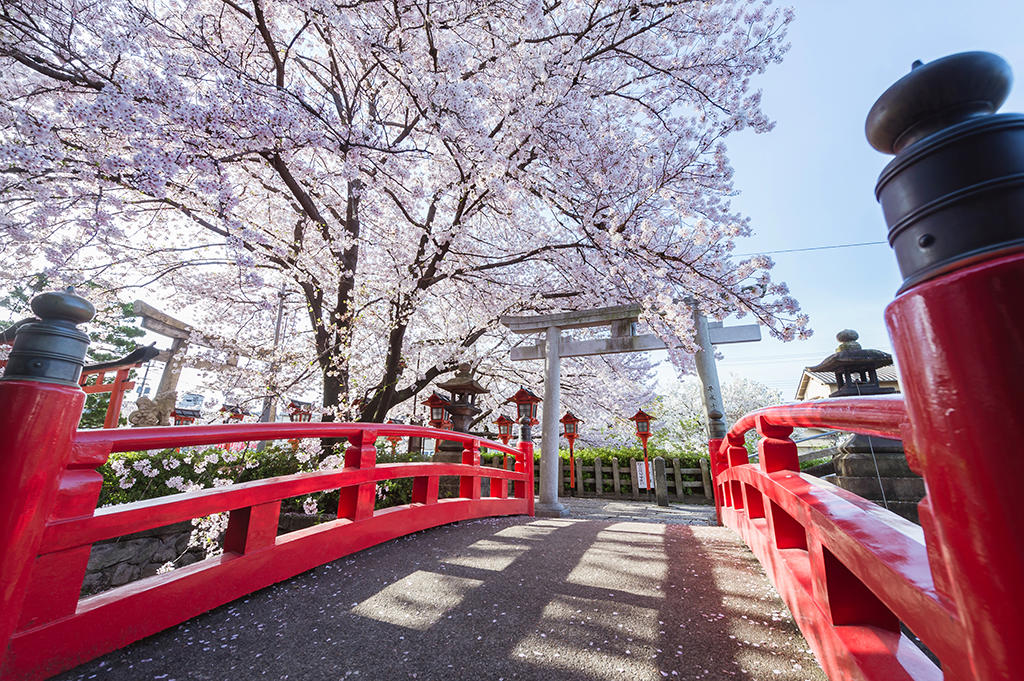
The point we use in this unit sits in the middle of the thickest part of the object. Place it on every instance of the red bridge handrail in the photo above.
(884, 415)
(849, 570)
(57, 630)
(163, 437)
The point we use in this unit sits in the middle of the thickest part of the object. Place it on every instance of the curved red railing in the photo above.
(850, 571)
(57, 630)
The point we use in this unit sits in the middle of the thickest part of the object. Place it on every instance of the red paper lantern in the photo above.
(526, 405)
(572, 431)
(438, 411)
(504, 424)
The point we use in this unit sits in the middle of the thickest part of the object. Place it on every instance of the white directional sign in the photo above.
(641, 474)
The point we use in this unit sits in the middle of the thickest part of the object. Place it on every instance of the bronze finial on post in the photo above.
(51, 348)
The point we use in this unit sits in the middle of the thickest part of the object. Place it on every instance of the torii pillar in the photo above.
(620, 320)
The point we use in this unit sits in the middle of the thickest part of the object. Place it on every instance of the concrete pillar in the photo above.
(707, 372)
(660, 481)
(549, 506)
(173, 366)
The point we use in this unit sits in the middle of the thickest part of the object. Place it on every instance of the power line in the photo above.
(812, 248)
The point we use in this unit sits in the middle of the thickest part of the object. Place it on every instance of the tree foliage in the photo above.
(409, 170)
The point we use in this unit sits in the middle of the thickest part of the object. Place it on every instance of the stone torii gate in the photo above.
(621, 320)
(181, 334)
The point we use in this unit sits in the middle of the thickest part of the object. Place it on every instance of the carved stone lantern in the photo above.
(856, 369)
(462, 407)
(871, 467)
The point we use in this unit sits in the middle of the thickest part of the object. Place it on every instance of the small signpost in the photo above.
(641, 475)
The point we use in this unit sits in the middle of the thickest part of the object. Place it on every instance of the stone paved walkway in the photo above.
(639, 511)
(570, 599)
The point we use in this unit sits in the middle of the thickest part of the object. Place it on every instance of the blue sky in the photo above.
(810, 182)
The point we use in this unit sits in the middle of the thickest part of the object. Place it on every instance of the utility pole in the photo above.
(269, 413)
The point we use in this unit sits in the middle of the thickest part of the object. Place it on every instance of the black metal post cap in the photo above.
(954, 194)
(52, 348)
(63, 306)
(935, 95)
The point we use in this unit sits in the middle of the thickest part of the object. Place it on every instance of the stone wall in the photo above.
(137, 556)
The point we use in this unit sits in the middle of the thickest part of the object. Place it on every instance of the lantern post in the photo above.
(526, 405)
(571, 424)
(643, 431)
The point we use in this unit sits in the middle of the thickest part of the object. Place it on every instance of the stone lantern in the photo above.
(871, 467)
(462, 408)
(856, 369)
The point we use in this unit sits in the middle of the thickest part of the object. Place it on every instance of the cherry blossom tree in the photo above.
(409, 170)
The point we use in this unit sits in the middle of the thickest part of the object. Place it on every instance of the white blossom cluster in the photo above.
(401, 173)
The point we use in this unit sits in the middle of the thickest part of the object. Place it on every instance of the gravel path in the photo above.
(568, 599)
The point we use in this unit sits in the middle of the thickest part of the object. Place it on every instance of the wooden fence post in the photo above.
(598, 482)
(677, 477)
(660, 481)
(616, 486)
(705, 477)
(632, 478)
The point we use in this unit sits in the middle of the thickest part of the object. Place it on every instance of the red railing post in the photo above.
(524, 464)
(469, 485)
(953, 199)
(357, 502)
(40, 406)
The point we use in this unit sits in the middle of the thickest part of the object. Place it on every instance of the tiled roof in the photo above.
(884, 374)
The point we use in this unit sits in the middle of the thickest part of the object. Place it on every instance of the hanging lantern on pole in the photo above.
(438, 414)
(504, 424)
(526, 405)
(643, 431)
(572, 431)
(394, 439)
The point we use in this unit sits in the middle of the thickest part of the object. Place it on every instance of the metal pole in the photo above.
(549, 505)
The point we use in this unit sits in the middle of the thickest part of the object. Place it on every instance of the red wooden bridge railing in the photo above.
(51, 629)
(850, 571)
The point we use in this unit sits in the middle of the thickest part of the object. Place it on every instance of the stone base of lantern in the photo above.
(876, 468)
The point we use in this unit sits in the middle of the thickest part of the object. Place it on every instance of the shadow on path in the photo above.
(509, 598)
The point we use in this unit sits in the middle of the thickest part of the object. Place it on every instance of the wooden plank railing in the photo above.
(56, 630)
(618, 481)
(851, 572)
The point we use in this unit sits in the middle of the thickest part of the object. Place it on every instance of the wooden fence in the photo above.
(610, 479)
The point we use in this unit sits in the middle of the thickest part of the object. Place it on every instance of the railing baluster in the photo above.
(357, 501)
(469, 485)
(252, 528)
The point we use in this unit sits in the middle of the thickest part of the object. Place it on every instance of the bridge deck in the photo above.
(633, 594)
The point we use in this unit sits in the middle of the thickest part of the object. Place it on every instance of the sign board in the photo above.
(428, 447)
(641, 475)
